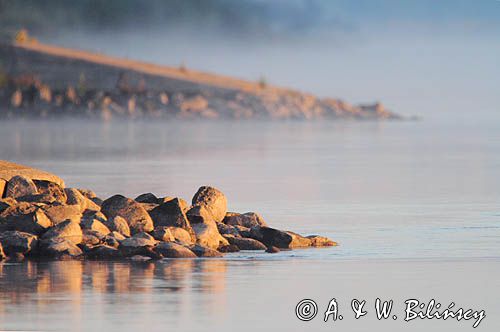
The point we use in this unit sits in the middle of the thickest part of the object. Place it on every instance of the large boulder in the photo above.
(68, 230)
(283, 239)
(205, 228)
(119, 225)
(245, 243)
(170, 213)
(75, 197)
(18, 242)
(58, 213)
(249, 219)
(19, 186)
(136, 216)
(24, 217)
(213, 200)
(174, 250)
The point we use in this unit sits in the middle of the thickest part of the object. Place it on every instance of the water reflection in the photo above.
(27, 282)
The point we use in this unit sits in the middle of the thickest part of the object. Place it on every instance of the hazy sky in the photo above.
(418, 57)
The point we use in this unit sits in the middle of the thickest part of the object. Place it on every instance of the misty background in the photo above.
(428, 58)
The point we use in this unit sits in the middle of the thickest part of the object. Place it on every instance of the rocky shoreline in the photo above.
(40, 218)
(43, 81)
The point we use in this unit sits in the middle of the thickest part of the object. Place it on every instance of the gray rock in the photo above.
(58, 213)
(283, 239)
(272, 250)
(90, 237)
(174, 250)
(67, 230)
(245, 243)
(228, 248)
(6, 203)
(118, 224)
(18, 242)
(321, 241)
(226, 229)
(20, 186)
(75, 197)
(170, 213)
(249, 219)
(104, 252)
(147, 198)
(136, 216)
(87, 193)
(162, 233)
(182, 236)
(60, 248)
(213, 200)
(24, 217)
(51, 189)
(95, 225)
(205, 228)
(137, 245)
(202, 251)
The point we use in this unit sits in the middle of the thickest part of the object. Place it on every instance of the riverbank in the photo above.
(39, 80)
(40, 218)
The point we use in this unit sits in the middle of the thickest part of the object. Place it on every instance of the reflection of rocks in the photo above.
(63, 223)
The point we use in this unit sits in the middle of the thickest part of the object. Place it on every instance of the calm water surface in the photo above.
(415, 207)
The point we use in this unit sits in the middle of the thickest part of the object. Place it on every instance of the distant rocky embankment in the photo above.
(41, 218)
(38, 80)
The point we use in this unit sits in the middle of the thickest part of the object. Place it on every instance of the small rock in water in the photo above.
(272, 250)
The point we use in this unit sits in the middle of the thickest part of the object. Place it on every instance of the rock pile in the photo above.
(43, 219)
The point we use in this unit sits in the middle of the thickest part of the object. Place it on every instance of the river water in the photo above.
(415, 207)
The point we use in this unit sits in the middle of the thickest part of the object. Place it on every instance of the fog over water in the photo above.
(420, 58)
